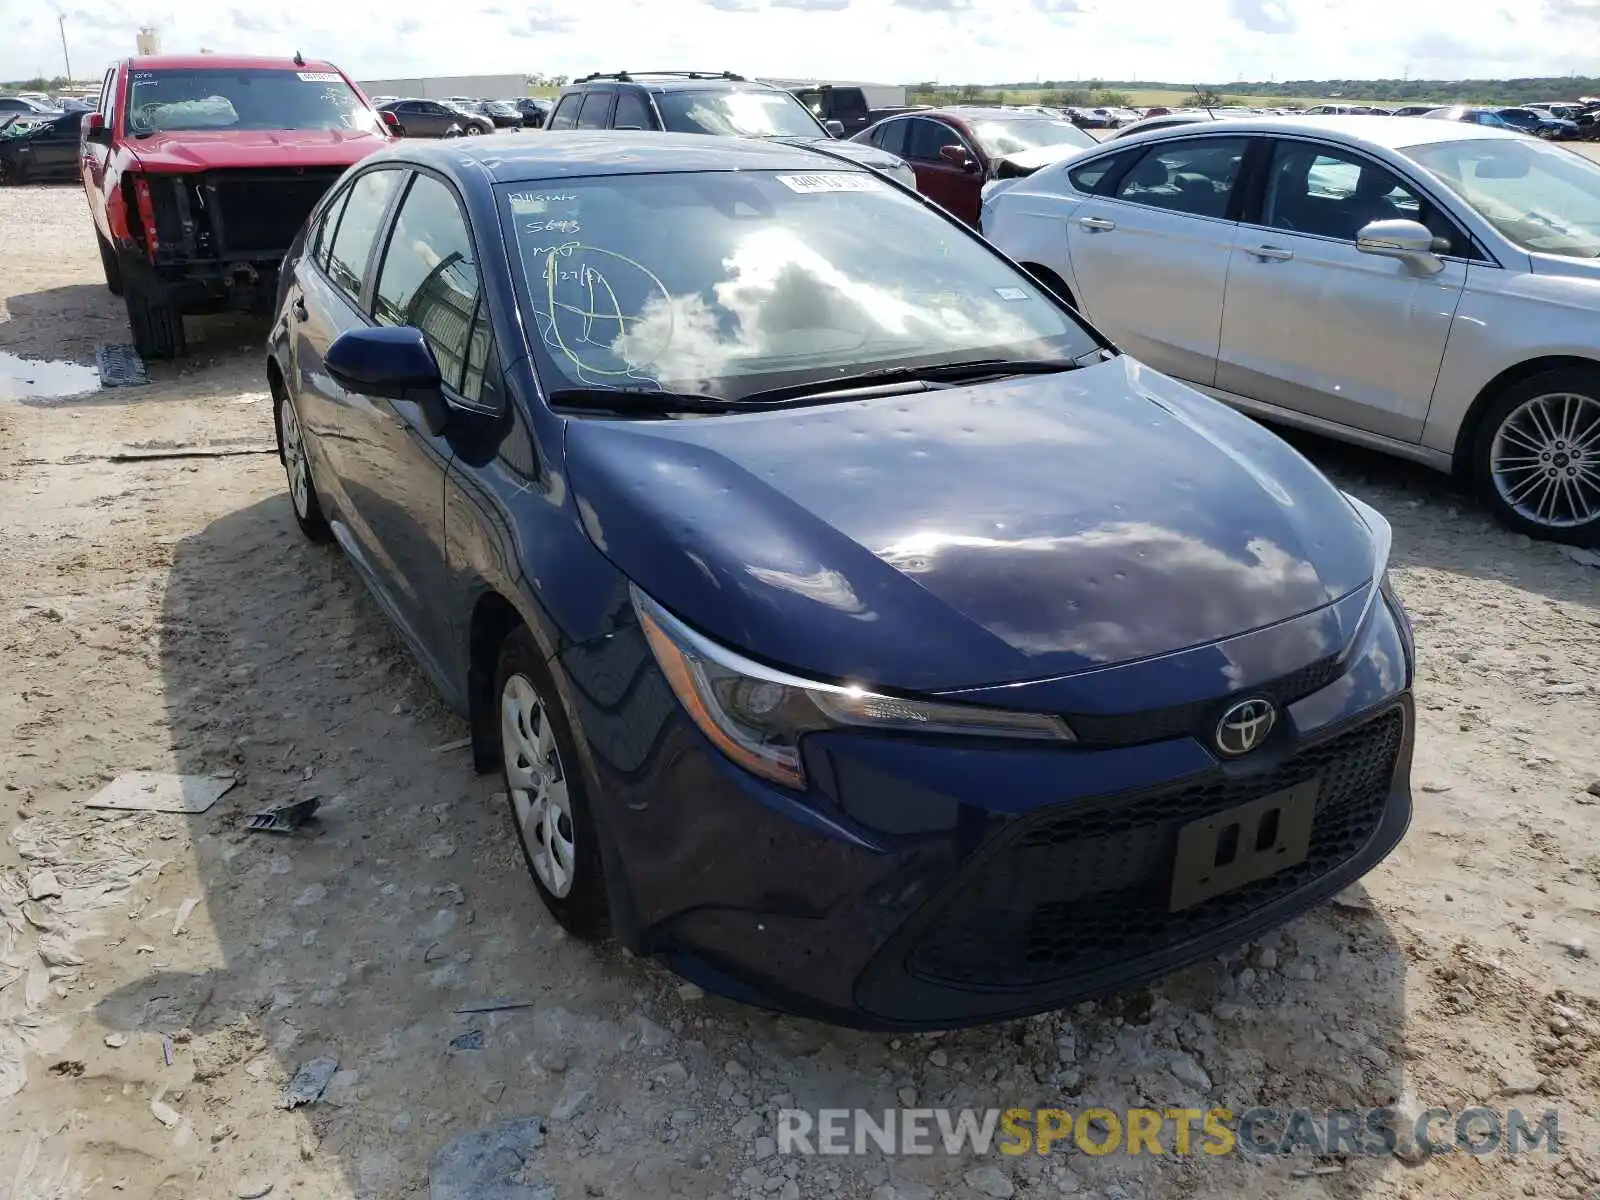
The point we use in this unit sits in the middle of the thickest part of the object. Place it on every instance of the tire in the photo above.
(473, 131)
(108, 261)
(296, 459)
(550, 810)
(156, 324)
(1536, 456)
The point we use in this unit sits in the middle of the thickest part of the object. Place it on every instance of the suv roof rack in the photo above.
(629, 76)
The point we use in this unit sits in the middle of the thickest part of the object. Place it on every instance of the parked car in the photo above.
(199, 169)
(26, 107)
(1415, 110)
(534, 112)
(725, 105)
(41, 151)
(1588, 123)
(1427, 288)
(436, 119)
(501, 113)
(1560, 109)
(955, 151)
(1166, 121)
(1539, 124)
(1051, 641)
(1469, 115)
(848, 106)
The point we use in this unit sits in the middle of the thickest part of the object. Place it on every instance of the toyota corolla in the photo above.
(854, 627)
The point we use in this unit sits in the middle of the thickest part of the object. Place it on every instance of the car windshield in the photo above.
(245, 98)
(736, 114)
(728, 283)
(1543, 197)
(999, 138)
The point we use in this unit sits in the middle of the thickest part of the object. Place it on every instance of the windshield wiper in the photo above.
(636, 400)
(952, 372)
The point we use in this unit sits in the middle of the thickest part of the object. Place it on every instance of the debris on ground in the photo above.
(286, 818)
(310, 1081)
(155, 791)
(498, 1163)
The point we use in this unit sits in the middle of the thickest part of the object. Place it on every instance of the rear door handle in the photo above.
(1097, 224)
(1272, 253)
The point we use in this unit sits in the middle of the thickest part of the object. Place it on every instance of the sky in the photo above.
(890, 41)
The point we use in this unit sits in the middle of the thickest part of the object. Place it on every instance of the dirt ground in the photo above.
(165, 615)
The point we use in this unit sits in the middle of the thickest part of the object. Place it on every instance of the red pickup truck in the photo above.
(201, 169)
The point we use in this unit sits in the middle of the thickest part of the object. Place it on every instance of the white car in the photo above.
(1428, 288)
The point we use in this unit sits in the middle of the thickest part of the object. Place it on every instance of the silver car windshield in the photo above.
(1544, 198)
(729, 282)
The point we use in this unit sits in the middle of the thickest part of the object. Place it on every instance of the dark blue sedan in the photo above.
(854, 627)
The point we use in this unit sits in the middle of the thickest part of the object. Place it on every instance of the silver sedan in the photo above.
(1423, 287)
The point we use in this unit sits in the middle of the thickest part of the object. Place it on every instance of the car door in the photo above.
(1312, 324)
(957, 190)
(55, 148)
(331, 300)
(1150, 255)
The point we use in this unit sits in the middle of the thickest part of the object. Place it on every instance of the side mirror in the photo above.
(834, 126)
(94, 128)
(392, 361)
(1411, 242)
(957, 156)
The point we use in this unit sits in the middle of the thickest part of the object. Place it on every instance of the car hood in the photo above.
(1043, 156)
(1017, 530)
(211, 149)
(859, 152)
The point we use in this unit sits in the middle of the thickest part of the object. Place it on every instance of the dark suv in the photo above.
(718, 103)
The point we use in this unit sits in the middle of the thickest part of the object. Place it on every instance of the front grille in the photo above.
(1197, 719)
(259, 212)
(1075, 890)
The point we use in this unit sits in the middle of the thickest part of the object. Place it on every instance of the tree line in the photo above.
(1097, 93)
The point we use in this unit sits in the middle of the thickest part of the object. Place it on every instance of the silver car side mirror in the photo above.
(1411, 242)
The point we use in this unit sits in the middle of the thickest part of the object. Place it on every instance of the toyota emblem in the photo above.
(1245, 726)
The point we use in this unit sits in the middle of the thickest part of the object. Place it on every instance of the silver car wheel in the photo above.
(1545, 460)
(294, 458)
(538, 785)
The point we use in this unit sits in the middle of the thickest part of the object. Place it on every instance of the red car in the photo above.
(201, 169)
(955, 151)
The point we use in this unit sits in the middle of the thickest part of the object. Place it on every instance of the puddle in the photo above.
(40, 379)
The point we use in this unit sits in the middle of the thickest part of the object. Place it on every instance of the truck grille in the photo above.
(259, 212)
(1079, 889)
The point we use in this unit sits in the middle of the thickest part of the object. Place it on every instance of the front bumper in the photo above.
(932, 884)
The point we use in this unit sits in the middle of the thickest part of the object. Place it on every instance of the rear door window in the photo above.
(358, 229)
(429, 277)
(595, 111)
(926, 138)
(566, 113)
(320, 240)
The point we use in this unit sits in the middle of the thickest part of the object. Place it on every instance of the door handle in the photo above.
(1272, 253)
(1097, 224)
(299, 309)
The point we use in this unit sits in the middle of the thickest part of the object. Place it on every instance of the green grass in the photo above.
(1157, 97)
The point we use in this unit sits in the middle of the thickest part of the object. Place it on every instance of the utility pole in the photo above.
(61, 20)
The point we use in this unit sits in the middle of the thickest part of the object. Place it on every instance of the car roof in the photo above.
(563, 153)
(691, 82)
(225, 62)
(1392, 133)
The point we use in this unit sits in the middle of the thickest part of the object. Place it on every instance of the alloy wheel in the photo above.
(294, 458)
(538, 785)
(1545, 460)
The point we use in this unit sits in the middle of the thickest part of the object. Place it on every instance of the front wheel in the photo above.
(1537, 456)
(474, 131)
(155, 323)
(549, 803)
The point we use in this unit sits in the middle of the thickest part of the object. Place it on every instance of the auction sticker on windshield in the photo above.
(837, 181)
(320, 76)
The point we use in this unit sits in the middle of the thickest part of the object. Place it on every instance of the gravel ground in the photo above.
(165, 615)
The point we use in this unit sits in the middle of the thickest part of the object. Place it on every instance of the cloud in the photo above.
(740, 6)
(1263, 16)
(408, 26)
(251, 23)
(938, 6)
(542, 26)
(813, 5)
(1060, 7)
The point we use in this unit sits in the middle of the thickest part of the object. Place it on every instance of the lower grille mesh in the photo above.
(1078, 889)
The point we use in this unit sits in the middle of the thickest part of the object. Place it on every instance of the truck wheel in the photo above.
(108, 261)
(156, 324)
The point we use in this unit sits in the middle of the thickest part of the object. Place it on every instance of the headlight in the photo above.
(756, 715)
(1382, 543)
